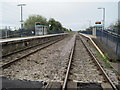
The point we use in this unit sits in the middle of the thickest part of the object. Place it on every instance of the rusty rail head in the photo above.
(13, 61)
(98, 64)
(69, 64)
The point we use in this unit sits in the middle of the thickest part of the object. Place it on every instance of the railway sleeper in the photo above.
(78, 86)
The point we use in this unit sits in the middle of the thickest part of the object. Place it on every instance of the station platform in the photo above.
(15, 44)
(9, 84)
(29, 37)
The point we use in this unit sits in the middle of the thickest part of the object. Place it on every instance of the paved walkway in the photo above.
(8, 83)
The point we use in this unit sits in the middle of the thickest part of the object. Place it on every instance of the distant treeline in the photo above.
(29, 27)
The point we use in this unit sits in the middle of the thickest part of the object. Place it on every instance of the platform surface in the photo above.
(20, 84)
(30, 37)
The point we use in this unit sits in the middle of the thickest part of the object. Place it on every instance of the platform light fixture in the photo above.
(103, 16)
(21, 5)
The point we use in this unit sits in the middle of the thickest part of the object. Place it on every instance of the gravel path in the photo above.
(83, 68)
(49, 64)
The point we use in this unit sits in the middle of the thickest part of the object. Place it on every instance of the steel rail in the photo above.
(96, 61)
(6, 55)
(69, 65)
(13, 61)
(98, 64)
(116, 71)
(27, 47)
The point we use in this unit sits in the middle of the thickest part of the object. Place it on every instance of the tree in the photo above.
(65, 29)
(115, 27)
(29, 24)
(70, 29)
(89, 29)
(55, 25)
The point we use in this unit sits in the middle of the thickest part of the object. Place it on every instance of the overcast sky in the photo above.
(73, 14)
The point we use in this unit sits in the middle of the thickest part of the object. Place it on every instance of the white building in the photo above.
(40, 29)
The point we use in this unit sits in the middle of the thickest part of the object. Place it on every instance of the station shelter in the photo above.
(40, 29)
(97, 27)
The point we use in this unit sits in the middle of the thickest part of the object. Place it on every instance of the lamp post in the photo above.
(103, 17)
(21, 5)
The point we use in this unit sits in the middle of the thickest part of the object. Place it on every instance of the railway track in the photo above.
(85, 72)
(28, 51)
(83, 69)
(19, 51)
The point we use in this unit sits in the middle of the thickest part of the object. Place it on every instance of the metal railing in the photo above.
(110, 39)
(22, 33)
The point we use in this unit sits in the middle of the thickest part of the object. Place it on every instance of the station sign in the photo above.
(38, 24)
(97, 22)
(98, 25)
